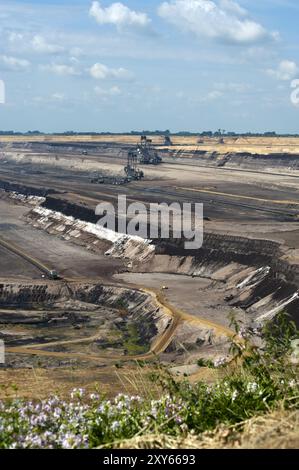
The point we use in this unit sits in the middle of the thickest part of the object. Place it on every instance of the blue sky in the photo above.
(178, 64)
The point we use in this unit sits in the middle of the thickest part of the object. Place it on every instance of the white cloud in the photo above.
(76, 52)
(106, 93)
(102, 72)
(58, 96)
(34, 42)
(119, 15)
(74, 60)
(202, 98)
(15, 37)
(39, 44)
(286, 70)
(60, 69)
(13, 63)
(213, 95)
(233, 7)
(54, 98)
(207, 19)
(233, 87)
(2, 92)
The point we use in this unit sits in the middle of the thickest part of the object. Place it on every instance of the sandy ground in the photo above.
(242, 144)
(65, 258)
(200, 297)
(235, 201)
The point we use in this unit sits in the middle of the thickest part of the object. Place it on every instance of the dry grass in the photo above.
(277, 430)
(37, 383)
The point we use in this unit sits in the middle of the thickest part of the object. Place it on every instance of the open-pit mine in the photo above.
(81, 304)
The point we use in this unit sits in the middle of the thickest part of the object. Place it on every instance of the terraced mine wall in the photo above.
(224, 249)
(218, 156)
(24, 189)
(229, 260)
(238, 160)
(26, 303)
(252, 252)
(78, 211)
(61, 147)
(71, 210)
(217, 249)
(237, 256)
(254, 161)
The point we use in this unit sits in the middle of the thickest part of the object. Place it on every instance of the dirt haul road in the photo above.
(158, 346)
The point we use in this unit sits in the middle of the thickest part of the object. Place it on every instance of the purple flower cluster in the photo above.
(51, 423)
(55, 423)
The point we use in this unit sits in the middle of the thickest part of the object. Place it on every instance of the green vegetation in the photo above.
(133, 343)
(121, 305)
(205, 363)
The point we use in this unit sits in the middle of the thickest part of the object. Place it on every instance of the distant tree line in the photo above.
(217, 133)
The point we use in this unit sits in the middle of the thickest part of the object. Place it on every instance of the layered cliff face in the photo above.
(48, 317)
(246, 160)
(50, 322)
(255, 275)
(181, 317)
(94, 237)
(246, 154)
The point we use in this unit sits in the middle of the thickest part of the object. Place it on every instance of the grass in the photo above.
(133, 344)
(258, 389)
(276, 430)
